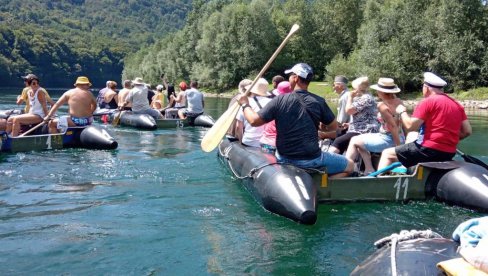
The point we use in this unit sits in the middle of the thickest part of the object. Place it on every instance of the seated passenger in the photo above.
(441, 122)
(81, 105)
(195, 102)
(37, 110)
(123, 95)
(180, 100)
(297, 116)
(268, 140)
(247, 134)
(110, 97)
(138, 98)
(157, 100)
(362, 108)
(391, 132)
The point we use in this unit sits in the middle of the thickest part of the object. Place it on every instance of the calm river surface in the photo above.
(158, 205)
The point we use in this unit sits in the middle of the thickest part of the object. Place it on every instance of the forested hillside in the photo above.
(226, 41)
(59, 40)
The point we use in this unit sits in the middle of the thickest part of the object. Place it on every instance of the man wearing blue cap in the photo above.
(298, 117)
(441, 122)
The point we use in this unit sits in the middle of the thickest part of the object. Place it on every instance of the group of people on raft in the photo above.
(139, 98)
(82, 104)
(290, 121)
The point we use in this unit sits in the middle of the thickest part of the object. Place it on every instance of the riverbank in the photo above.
(470, 99)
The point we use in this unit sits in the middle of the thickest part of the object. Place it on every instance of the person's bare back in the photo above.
(81, 102)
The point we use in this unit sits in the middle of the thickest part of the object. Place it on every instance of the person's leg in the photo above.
(353, 148)
(181, 114)
(24, 119)
(366, 156)
(3, 124)
(10, 122)
(337, 165)
(388, 156)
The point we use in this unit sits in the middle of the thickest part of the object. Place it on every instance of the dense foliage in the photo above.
(226, 41)
(59, 40)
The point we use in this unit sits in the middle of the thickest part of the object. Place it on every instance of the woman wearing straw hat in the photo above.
(391, 132)
(362, 108)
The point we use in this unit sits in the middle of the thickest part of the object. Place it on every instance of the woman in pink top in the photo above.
(268, 140)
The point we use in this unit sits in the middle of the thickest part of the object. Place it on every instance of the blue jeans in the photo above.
(335, 163)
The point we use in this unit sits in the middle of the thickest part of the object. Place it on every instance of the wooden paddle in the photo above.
(32, 129)
(215, 134)
(117, 118)
(471, 159)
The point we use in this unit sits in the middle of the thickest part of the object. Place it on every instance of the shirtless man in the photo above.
(81, 104)
(123, 95)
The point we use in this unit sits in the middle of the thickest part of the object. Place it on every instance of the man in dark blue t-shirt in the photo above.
(298, 116)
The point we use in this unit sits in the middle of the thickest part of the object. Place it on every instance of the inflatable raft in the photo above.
(144, 121)
(90, 137)
(294, 193)
(418, 256)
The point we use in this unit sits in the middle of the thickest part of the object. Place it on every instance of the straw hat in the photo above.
(138, 81)
(243, 84)
(359, 81)
(82, 80)
(260, 88)
(386, 85)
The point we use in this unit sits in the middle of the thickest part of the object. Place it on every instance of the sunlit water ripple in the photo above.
(158, 205)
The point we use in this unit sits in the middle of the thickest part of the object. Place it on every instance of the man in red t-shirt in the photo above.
(441, 122)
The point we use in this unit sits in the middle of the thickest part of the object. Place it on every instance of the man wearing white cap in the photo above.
(441, 122)
(298, 116)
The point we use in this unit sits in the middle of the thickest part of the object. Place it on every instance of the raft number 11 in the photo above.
(398, 186)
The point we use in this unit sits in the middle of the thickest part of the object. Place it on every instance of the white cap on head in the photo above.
(303, 70)
(433, 80)
(159, 87)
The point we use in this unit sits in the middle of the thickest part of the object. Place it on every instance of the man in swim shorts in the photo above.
(81, 104)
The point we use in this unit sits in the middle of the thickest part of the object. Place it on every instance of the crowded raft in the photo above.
(292, 151)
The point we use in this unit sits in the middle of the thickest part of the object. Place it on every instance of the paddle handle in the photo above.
(33, 129)
(215, 134)
(293, 30)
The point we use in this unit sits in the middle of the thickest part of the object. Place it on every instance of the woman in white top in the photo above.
(37, 111)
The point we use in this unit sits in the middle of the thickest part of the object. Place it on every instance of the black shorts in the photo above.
(342, 142)
(412, 153)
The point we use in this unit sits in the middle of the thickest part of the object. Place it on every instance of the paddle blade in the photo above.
(117, 119)
(215, 134)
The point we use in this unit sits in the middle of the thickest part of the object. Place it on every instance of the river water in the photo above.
(158, 205)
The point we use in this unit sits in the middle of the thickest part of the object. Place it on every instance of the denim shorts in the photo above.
(335, 163)
(377, 142)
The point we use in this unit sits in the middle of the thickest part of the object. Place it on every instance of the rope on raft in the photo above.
(404, 235)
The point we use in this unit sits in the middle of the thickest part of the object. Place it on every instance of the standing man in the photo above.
(138, 98)
(340, 88)
(297, 116)
(81, 104)
(441, 122)
(23, 97)
(194, 101)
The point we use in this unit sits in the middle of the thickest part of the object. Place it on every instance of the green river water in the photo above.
(158, 205)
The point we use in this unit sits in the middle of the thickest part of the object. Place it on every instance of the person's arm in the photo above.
(42, 100)
(328, 131)
(410, 123)
(93, 104)
(55, 107)
(466, 129)
(22, 97)
(251, 116)
(350, 109)
(48, 98)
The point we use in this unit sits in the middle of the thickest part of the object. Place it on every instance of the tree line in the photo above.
(60, 40)
(225, 41)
